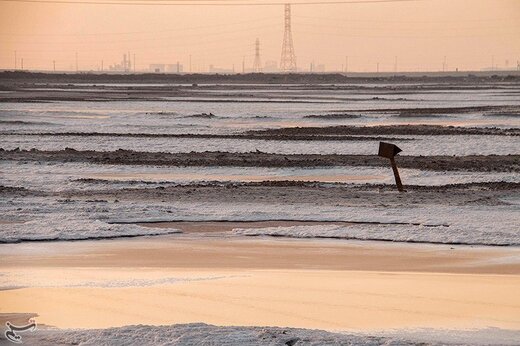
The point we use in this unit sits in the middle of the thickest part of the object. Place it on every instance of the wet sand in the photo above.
(293, 283)
(220, 251)
(326, 300)
(206, 176)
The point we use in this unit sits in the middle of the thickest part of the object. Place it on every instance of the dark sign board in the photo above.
(388, 150)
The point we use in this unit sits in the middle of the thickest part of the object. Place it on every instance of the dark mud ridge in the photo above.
(288, 192)
(424, 112)
(19, 191)
(480, 186)
(333, 116)
(445, 111)
(330, 133)
(243, 136)
(475, 163)
(431, 130)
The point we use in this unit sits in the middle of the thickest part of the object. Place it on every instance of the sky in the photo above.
(427, 35)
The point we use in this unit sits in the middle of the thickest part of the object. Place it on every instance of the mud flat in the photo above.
(22, 87)
(335, 255)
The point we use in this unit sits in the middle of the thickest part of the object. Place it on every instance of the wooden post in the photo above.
(389, 151)
(396, 175)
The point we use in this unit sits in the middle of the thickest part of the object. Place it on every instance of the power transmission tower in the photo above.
(257, 66)
(288, 61)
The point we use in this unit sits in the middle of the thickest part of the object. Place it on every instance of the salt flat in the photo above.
(233, 212)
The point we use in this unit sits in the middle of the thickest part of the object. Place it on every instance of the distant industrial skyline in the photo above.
(202, 36)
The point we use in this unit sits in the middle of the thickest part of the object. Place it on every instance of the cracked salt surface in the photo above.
(429, 232)
(202, 334)
(68, 220)
(48, 176)
(60, 218)
(419, 145)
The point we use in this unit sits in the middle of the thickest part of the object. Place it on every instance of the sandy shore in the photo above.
(295, 283)
(194, 250)
(329, 300)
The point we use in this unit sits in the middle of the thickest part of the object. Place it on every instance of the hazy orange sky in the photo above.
(470, 33)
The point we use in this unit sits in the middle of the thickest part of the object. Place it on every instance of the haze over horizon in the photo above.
(470, 35)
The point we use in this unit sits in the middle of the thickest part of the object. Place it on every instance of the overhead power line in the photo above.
(184, 28)
(206, 2)
(382, 20)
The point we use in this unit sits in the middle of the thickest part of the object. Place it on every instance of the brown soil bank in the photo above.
(474, 163)
(275, 78)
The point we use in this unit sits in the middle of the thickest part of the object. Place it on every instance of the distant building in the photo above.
(124, 66)
(166, 68)
(157, 68)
